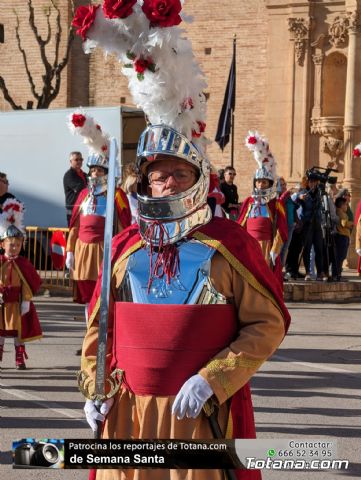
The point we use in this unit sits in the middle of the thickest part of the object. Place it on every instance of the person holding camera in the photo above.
(311, 217)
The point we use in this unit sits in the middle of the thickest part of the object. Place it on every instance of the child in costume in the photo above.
(263, 214)
(19, 281)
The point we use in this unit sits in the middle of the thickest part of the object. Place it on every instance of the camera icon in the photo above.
(37, 454)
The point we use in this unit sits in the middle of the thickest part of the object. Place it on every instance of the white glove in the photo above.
(191, 397)
(92, 414)
(273, 257)
(69, 262)
(358, 251)
(24, 307)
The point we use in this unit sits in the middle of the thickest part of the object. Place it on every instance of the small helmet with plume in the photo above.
(11, 219)
(266, 162)
(94, 138)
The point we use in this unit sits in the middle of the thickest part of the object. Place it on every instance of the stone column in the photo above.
(352, 126)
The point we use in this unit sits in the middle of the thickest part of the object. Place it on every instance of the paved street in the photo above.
(309, 389)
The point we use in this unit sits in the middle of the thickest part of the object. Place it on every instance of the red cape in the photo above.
(30, 325)
(243, 253)
(120, 201)
(275, 206)
(30, 274)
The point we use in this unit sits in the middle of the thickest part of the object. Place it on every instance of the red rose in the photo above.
(252, 140)
(140, 65)
(12, 206)
(201, 129)
(118, 8)
(162, 13)
(78, 119)
(187, 104)
(356, 152)
(84, 18)
(98, 127)
(11, 219)
(104, 148)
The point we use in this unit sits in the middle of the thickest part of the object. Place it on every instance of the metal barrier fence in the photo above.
(38, 251)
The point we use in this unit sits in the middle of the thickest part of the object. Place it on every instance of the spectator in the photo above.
(311, 216)
(295, 247)
(229, 190)
(130, 188)
(291, 213)
(4, 187)
(342, 237)
(345, 193)
(358, 237)
(74, 181)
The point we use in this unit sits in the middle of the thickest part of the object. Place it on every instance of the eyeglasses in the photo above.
(6, 182)
(231, 173)
(180, 176)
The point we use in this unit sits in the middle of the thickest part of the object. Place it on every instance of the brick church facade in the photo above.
(298, 77)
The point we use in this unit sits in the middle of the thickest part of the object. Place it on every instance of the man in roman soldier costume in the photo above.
(262, 214)
(86, 234)
(19, 281)
(192, 311)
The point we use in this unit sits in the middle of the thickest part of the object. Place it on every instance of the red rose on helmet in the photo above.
(162, 13)
(252, 140)
(356, 152)
(118, 8)
(78, 119)
(201, 128)
(84, 18)
(141, 64)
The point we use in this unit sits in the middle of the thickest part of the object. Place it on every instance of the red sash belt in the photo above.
(91, 229)
(10, 294)
(260, 228)
(160, 346)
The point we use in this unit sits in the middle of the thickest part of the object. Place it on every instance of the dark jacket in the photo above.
(5, 197)
(73, 185)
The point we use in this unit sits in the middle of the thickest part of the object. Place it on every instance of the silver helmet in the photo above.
(96, 160)
(181, 213)
(266, 193)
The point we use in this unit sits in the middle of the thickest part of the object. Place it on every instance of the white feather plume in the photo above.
(259, 146)
(94, 138)
(12, 214)
(170, 91)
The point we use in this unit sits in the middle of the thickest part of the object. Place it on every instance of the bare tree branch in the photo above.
(7, 95)
(57, 34)
(30, 78)
(40, 41)
(51, 79)
(48, 37)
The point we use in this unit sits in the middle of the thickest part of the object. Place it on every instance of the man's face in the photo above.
(262, 184)
(229, 176)
(4, 185)
(169, 176)
(95, 172)
(313, 183)
(12, 246)
(283, 185)
(76, 162)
